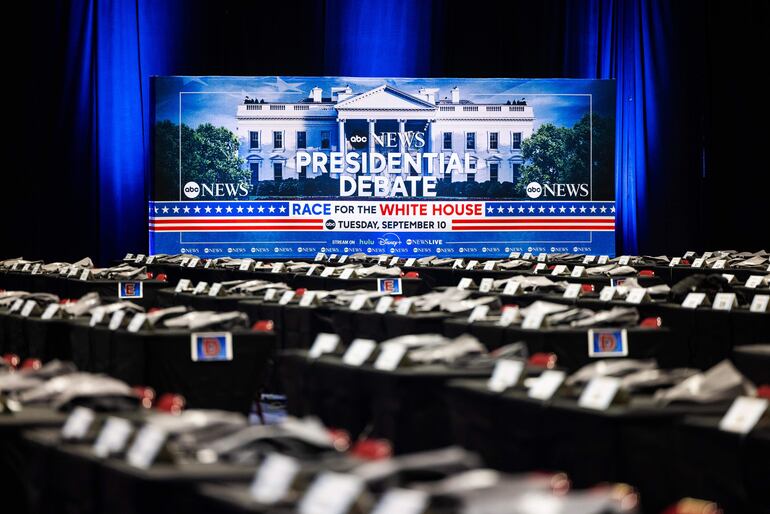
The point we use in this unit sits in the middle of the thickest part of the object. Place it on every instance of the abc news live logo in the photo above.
(228, 189)
(535, 190)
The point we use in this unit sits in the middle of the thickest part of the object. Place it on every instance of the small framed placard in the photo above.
(511, 288)
(760, 303)
(578, 271)
(391, 286)
(486, 285)
(133, 289)
(754, 281)
(694, 300)
(573, 291)
(589, 259)
(724, 301)
(211, 346)
(607, 342)
(698, 263)
(603, 259)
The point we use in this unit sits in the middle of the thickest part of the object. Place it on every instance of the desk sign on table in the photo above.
(211, 346)
(391, 286)
(607, 342)
(132, 289)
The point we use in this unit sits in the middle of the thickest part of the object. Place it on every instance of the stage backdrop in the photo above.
(293, 166)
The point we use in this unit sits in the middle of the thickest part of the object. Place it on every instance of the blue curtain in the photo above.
(625, 40)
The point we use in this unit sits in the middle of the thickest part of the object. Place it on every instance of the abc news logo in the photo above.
(194, 190)
(535, 190)
(358, 139)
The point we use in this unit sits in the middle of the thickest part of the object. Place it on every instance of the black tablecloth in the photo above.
(631, 444)
(754, 362)
(406, 406)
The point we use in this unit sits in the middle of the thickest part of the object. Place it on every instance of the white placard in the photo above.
(760, 303)
(50, 311)
(402, 501)
(215, 288)
(589, 259)
(360, 350)
(559, 269)
(183, 262)
(465, 283)
(489, 265)
(311, 269)
(637, 296)
(331, 493)
(84, 275)
(698, 263)
(540, 266)
(77, 424)
(743, 414)
(729, 277)
(624, 260)
(506, 374)
(73, 272)
(546, 385)
(182, 285)
(527, 256)
(383, 304)
(687, 255)
(274, 478)
(116, 319)
(486, 285)
(136, 322)
(36, 269)
(674, 262)
(393, 261)
(348, 273)
(286, 297)
(458, 263)
(17, 304)
(707, 255)
(603, 259)
(332, 257)
(724, 301)
(578, 271)
(404, 306)
(514, 255)
(607, 293)
(599, 393)
(139, 258)
(720, 264)
(146, 446)
(511, 288)
(324, 343)
(150, 259)
(358, 302)
(208, 264)
(319, 257)
(533, 320)
(113, 436)
(97, 316)
(410, 262)
(508, 316)
(193, 262)
(693, 300)
(27, 309)
(478, 313)
(246, 266)
(471, 265)
(200, 287)
(754, 281)
(573, 291)
(129, 257)
(328, 271)
(307, 299)
(390, 356)
(542, 257)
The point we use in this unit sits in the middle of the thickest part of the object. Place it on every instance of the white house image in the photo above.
(490, 133)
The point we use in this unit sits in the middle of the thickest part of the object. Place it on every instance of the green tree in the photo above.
(166, 176)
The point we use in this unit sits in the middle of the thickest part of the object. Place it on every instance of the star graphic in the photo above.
(250, 209)
(572, 208)
(603, 209)
(176, 209)
(531, 209)
(500, 209)
(282, 209)
(552, 209)
(593, 209)
(239, 209)
(562, 209)
(612, 209)
(197, 209)
(208, 209)
(583, 208)
(229, 209)
(271, 209)
(521, 209)
(186, 209)
(156, 210)
(165, 210)
(218, 209)
(261, 209)
(510, 208)
(490, 209)
(541, 209)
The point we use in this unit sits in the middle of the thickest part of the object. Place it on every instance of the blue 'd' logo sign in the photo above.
(391, 286)
(130, 289)
(607, 343)
(211, 346)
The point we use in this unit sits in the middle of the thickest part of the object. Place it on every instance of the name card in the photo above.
(754, 281)
(471, 265)
(578, 271)
(311, 269)
(694, 300)
(215, 289)
(348, 273)
(211, 346)
(514, 255)
(324, 343)
(360, 350)
(404, 306)
(489, 265)
(458, 263)
(343, 259)
(358, 302)
(84, 275)
(286, 297)
(390, 356)
(208, 263)
(624, 260)
(486, 285)
(465, 283)
(129, 257)
(97, 316)
(183, 262)
(36, 269)
(116, 319)
(542, 257)
(527, 256)
(478, 313)
(559, 269)
(17, 305)
(698, 263)
(328, 271)
(573, 291)
(506, 374)
(511, 288)
(73, 272)
(383, 304)
(533, 320)
(724, 301)
(277, 267)
(146, 446)
(50, 311)
(546, 385)
(599, 393)
(139, 258)
(113, 436)
(607, 342)
(402, 501)
(182, 285)
(393, 261)
(26, 310)
(200, 287)
(308, 299)
(608, 293)
(674, 262)
(391, 286)
(331, 493)
(137, 322)
(729, 277)
(246, 266)
(720, 264)
(589, 259)
(193, 262)
(637, 296)
(707, 255)
(150, 259)
(320, 256)
(743, 414)
(689, 255)
(410, 262)
(273, 479)
(508, 316)
(270, 294)
(760, 303)
(131, 290)
(332, 257)
(603, 259)
(539, 267)
(78, 423)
